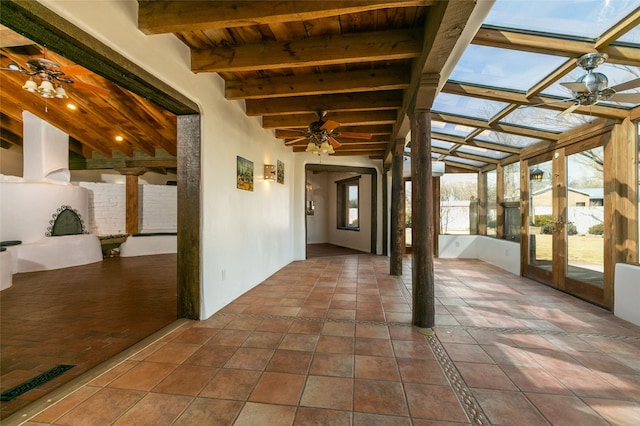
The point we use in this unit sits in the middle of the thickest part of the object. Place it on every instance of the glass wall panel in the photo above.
(511, 176)
(585, 216)
(458, 201)
(540, 216)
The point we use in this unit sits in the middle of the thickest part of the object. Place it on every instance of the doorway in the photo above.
(566, 224)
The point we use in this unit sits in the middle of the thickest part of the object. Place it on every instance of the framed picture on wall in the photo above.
(245, 174)
(280, 172)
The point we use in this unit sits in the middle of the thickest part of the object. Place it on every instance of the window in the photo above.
(348, 203)
(492, 208)
(458, 203)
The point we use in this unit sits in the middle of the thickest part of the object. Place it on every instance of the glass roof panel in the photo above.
(483, 152)
(451, 129)
(506, 139)
(546, 119)
(467, 106)
(581, 18)
(510, 69)
(437, 143)
(615, 73)
(466, 161)
(632, 36)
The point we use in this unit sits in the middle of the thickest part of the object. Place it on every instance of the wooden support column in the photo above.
(398, 219)
(621, 203)
(131, 197)
(422, 217)
(385, 213)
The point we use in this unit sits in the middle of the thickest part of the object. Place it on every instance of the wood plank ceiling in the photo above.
(359, 61)
(101, 111)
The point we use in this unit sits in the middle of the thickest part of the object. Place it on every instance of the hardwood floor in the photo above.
(80, 316)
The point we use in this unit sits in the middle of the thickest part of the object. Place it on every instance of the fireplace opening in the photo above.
(66, 221)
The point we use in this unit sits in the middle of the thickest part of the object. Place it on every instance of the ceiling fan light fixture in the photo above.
(30, 85)
(61, 93)
(46, 89)
(13, 66)
(595, 81)
(326, 148)
(313, 148)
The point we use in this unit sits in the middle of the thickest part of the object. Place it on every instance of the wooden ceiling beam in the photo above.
(301, 121)
(161, 17)
(391, 78)
(549, 45)
(367, 101)
(330, 50)
(474, 142)
(521, 99)
(504, 128)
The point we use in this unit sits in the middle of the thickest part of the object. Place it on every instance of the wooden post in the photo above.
(435, 182)
(482, 203)
(385, 214)
(398, 219)
(422, 218)
(499, 201)
(131, 197)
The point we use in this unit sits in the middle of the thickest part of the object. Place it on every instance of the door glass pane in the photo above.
(585, 216)
(540, 215)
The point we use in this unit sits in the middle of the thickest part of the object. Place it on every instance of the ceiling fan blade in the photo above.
(354, 135)
(330, 125)
(568, 110)
(631, 84)
(547, 103)
(295, 141)
(576, 87)
(90, 87)
(334, 143)
(631, 98)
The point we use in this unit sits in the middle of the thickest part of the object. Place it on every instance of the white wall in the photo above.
(501, 253)
(318, 223)
(239, 228)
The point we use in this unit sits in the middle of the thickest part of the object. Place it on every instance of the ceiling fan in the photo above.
(322, 135)
(592, 87)
(51, 76)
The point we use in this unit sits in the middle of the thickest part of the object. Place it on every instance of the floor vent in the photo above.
(16, 391)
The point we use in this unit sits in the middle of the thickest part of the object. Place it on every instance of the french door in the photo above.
(565, 215)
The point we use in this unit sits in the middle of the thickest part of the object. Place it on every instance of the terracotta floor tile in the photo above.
(486, 376)
(434, 403)
(372, 331)
(275, 325)
(173, 353)
(335, 344)
(504, 407)
(144, 376)
(231, 384)
(263, 339)
(421, 371)
(214, 412)
(229, 338)
(102, 408)
(375, 347)
(328, 392)
(467, 353)
(380, 397)
(338, 329)
(614, 411)
(412, 349)
(510, 355)
(328, 364)
(587, 384)
(186, 380)
(250, 359)
(154, 409)
(565, 410)
(294, 362)
(278, 388)
(110, 375)
(376, 368)
(211, 355)
(305, 327)
(66, 404)
(196, 335)
(254, 414)
(318, 416)
(298, 342)
(534, 379)
(365, 419)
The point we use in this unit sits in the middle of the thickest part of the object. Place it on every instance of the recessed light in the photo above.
(119, 138)
(71, 106)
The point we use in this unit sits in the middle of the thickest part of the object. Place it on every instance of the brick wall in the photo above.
(107, 208)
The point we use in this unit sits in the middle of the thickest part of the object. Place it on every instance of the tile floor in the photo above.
(328, 341)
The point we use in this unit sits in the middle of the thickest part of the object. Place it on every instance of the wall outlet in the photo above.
(224, 274)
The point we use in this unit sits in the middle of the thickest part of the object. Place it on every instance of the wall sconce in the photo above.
(269, 172)
(536, 174)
